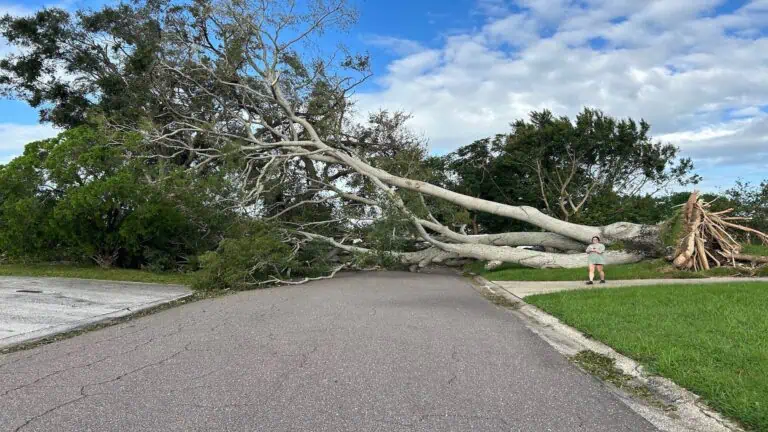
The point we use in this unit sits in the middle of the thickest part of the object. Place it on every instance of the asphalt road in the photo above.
(367, 352)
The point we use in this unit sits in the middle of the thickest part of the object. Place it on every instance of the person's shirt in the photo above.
(596, 247)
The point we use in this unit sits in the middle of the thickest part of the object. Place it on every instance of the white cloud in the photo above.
(398, 46)
(700, 80)
(13, 137)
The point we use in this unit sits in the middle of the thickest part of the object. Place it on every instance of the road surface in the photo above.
(362, 352)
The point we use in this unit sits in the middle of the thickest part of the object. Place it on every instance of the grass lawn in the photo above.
(651, 269)
(755, 249)
(711, 339)
(93, 272)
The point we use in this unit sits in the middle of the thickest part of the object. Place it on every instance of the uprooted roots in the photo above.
(706, 240)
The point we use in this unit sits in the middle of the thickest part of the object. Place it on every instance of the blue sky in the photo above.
(696, 70)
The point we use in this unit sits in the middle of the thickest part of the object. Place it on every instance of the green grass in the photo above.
(93, 272)
(650, 269)
(755, 249)
(711, 339)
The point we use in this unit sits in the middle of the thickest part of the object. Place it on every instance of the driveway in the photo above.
(361, 352)
(31, 308)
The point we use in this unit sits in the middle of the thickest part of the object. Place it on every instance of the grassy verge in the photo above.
(710, 339)
(755, 249)
(93, 272)
(651, 269)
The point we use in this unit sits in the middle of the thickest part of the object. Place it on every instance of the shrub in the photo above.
(256, 253)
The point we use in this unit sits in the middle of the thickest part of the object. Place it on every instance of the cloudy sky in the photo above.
(696, 70)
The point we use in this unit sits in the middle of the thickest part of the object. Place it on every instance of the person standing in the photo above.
(596, 258)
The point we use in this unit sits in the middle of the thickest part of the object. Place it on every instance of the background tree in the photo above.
(67, 64)
(562, 165)
(749, 201)
(78, 197)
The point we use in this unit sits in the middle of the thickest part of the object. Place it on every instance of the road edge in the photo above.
(690, 413)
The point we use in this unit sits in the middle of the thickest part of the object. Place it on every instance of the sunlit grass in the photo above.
(711, 338)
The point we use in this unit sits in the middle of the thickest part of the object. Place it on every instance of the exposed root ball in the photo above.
(706, 241)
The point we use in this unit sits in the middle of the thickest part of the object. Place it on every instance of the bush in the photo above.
(378, 258)
(254, 254)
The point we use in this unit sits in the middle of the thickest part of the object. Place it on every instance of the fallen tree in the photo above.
(231, 87)
(240, 93)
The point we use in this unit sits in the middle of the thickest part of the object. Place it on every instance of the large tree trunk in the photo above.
(524, 257)
(545, 239)
(634, 236)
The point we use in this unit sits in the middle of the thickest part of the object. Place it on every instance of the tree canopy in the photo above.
(77, 197)
(67, 64)
(567, 167)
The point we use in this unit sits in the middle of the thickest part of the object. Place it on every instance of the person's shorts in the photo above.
(596, 259)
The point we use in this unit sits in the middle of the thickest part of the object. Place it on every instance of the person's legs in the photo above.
(591, 272)
(602, 273)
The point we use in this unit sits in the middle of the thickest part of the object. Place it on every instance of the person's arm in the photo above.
(600, 248)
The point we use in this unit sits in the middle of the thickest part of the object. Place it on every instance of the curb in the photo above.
(689, 413)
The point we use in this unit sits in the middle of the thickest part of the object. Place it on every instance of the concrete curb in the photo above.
(690, 413)
(30, 337)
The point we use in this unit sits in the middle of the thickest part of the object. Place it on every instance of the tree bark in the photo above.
(523, 257)
(546, 239)
(751, 258)
(634, 236)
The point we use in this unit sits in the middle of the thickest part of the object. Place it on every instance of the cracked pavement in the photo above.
(361, 352)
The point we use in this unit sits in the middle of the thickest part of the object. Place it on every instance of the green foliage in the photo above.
(672, 230)
(377, 258)
(482, 171)
(592, 170)
(76, 197)
(607, 206)
(392, 232)
(750, 201)
(255, 254)
(24, 229)
(243, 263)
(755, 249)
(112, 80)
